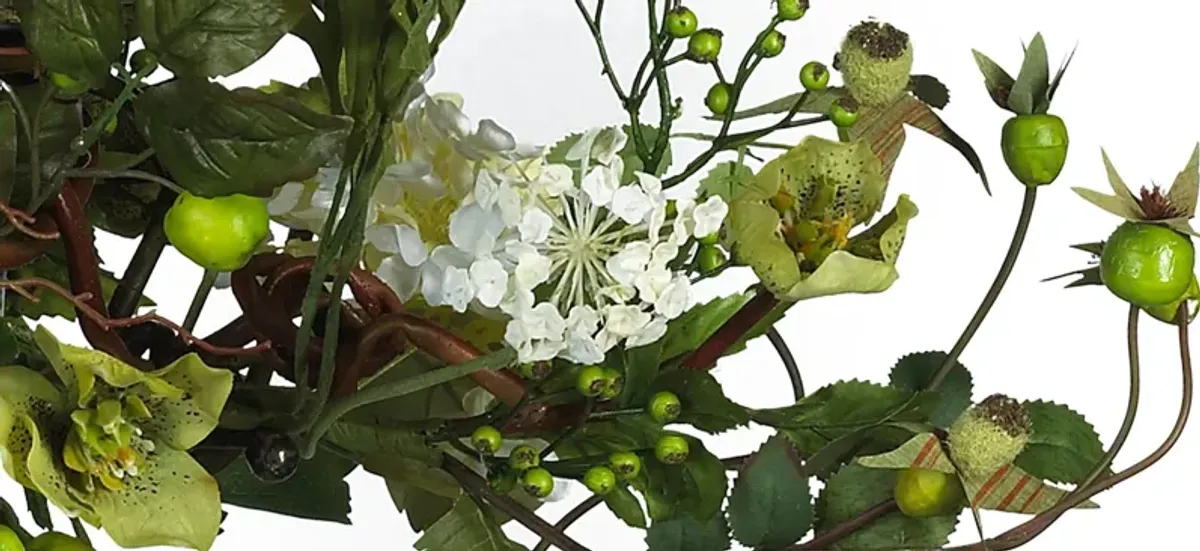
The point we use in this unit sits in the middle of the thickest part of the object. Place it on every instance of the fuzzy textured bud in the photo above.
(876, 62)
(989, 435)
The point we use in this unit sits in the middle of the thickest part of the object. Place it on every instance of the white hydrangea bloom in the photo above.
(586, 267)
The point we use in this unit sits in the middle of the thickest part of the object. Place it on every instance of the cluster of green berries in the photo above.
(47, 541)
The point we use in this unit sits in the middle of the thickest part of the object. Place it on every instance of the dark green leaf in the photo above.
(409, 52)
(855, 489)
(690, 330)
(704, 403)
(622, 503)
(76, 38)
(363, 441)
(703, 482)
(930, 90)
(997, 81)
(641, 366)
(422, 508)
(1033, 80)
(311, 94)
(1063, 446)
(213, 38)
(39, 509)
(317, 491)
(834, 448)
(914, 372)
(725, 179)
(8, 150)
(770, 506)
(215, 141)
(122, 206)
(465, 528)
(844, 405)
(684, 533)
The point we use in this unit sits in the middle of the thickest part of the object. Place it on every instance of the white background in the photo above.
(530, 64)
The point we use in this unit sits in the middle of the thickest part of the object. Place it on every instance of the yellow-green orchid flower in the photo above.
(110, 444)
(793, 224)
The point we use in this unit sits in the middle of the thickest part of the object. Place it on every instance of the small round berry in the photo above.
(625, 464)
(537, 482)
(665, 407)
(614, 383)
(772, 44)
(790, 10)
(814, 76)
(486, 439)
(524, 457)
(600, 479)
(671, 449)
(591, 381)
(143, 61)
(681, 22)
(710, 259)
(705, 45)
(843, 113)
(717, 99)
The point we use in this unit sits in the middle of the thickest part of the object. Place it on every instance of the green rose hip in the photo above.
(717, 99)
(665, 407)
(523, 458)
(625, 464)
(9, 540)
(1035, 147)
(814, 76)
(1147, 264)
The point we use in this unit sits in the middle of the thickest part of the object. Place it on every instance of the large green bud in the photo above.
(876, 62)
(989, 435)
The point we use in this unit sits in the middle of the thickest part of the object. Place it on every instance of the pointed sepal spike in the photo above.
(1183, 191)
(1033, 80)
(1062, 70)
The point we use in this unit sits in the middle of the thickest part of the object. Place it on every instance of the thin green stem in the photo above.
(381, 392)
(571, 517)
(35, 157)
(720, 74)
(615, 413)
(206, 285)
(789, 362)
(1131, 406)
(594, 27)
(129, 292)
(136, 160)
(663, 83)
(80, 531)
(1010, 260)
(108, 174)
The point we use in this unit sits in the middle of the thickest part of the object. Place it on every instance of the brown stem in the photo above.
(477, 486)
(826, 539)
(21, 221)
(571, 517)
(736, 327)
(434, 340)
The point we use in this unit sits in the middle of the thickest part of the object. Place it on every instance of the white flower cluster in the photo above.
(578, 268)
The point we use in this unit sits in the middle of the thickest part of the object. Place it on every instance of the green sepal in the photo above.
(1029, 90)
(1124, 203)
(997, 81)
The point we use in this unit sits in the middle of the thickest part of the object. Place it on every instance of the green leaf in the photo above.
(725, 179)
(1033, 80)
(76, 38)
(465, 528)
(921, 451)
(814, 102)
(684, 533)
(688, 331)
(622, 503)
(311, 94)
(363, 441)
(409, 50)
(704, 403)
(838, 408)
(997, 81)
(8, 149)
(1110, 204)
(422, 508)
(930, 90)
(914, 372)
(52, 266)
(39, 509)
(214, 38)
(855, 489)
(17, 346)
(770, 506)
(216, 142)
(1063, 446)
(317, 491)
(123, 206)
(703, 482)
(641, 365)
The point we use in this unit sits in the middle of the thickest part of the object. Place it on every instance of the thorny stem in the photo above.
(477, 486)
(789, 362)
(202, 291)
(1006, 267)
(570, 518)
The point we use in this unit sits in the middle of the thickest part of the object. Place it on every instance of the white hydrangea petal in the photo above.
(675, 298)
(582, 149)
(486, 189)
(415, 175)
(556, 180)
(630, 261)
(663, 254)
(709, 216)
(518, 302)
(412, 249)
(651, 283)
(545, 322)
(490, 281)
(608, 144)
(621, 293)
(402, 278)
(474, 229)
(535, 226)
(431, 283)
(631, 204)
(457, 290)
(649, 183)
(625, 320)
(582, 320)
(385, 238)
(285, 199)
(494, 137)
(649, 334)
(511, 205)
(583, 350)
(532, 269)
(448, 118)
(599, 184)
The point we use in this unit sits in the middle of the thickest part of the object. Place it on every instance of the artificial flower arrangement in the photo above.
(518, 314)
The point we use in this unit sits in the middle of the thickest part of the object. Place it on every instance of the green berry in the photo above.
(614, 383)
(790, 10)
(924, 493)
(705, 45)
(717, 99)
(524, 457)
(537, 482)
(772, 44)
(843, 113)
(600, 479)
(814, 76)
(502, 481)
(534, 371)
(1147, 264)
(671, 449)
(710, 259)
(143, 61)
(625, 464)
(1035, 147)
(665, 407)
(591, 381)
(710, 239)
(681, 22)
(68, 86)
(486, 439)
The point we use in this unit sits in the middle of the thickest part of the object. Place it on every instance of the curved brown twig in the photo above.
(22, 221)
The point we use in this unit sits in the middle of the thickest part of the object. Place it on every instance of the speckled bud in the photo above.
(876, 62)
(989, 435)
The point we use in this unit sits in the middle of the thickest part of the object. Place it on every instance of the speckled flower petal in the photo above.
(845, 177)
(184, 420)
(25, 396)
(753, 230)
(172, 502)
(79, 367)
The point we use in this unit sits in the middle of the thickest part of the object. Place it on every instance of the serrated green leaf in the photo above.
(703, 482)
(914, 372)
(997, 81)
(317, 491)
(725, 179)
(641, 366)
(844, 405)
(213, 38)
(684, 533)
(626, 507)
(1183, 191)
(688, 331)
(217, 142)
(76, 38)
(1033, 80)
(420, 507)
(1063, 446)
(465, 528)
(855, 489)
(770, 506)
(704, 403)
(930, 90)
(362, 441)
